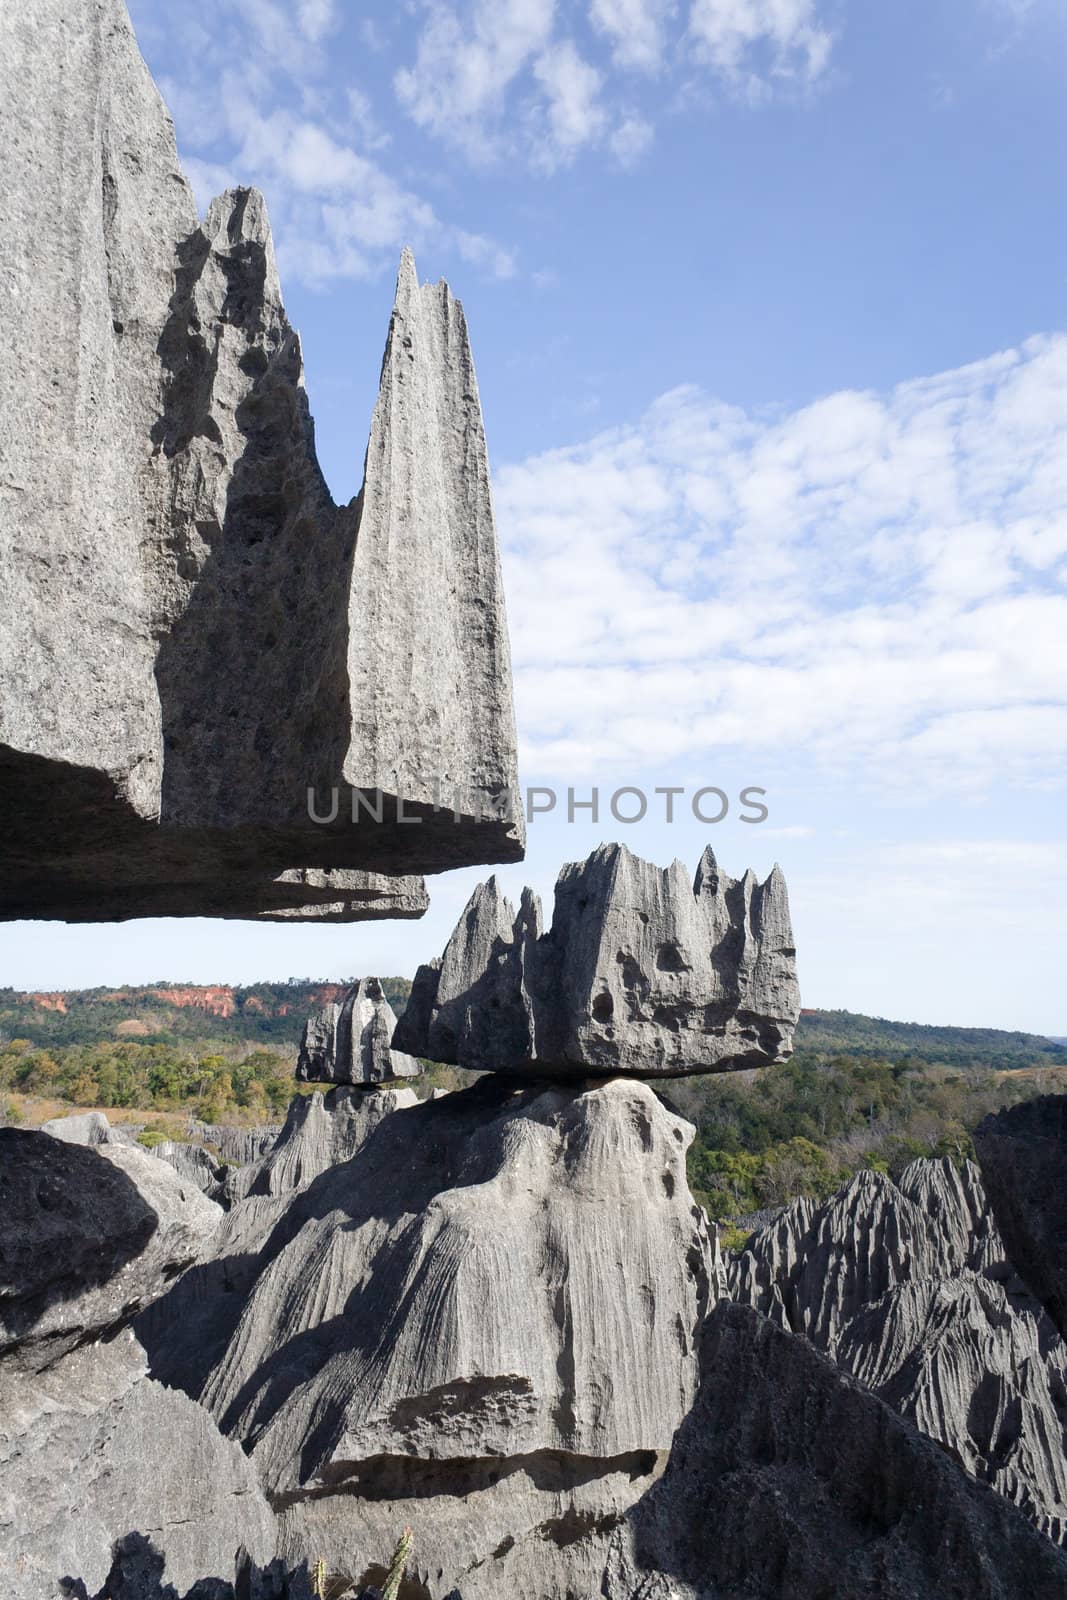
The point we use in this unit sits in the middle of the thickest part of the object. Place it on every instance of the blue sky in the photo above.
(768, 306)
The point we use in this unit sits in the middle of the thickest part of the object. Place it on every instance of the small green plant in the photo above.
(733, 1238)
(397, 1565)
(151, 1137)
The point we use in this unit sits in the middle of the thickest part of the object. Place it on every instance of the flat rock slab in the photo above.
(644, 971)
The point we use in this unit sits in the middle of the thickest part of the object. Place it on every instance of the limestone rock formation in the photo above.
(192, 634)
(236, 1146)
(87, 1237)
(92, 1450)
(485, 1322)
(85, 1127)
(348, 1041)
(195, 1164)
(188, 1330)
(788, 1480)
(642, 972)
(1023, 1155)
(305, 894)
(908, 1289)
(319, 1132)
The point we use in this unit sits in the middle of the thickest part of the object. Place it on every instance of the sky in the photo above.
(768, 301)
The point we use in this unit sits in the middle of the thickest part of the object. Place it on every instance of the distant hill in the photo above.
(265, 1014)
(272, 1015)
(827, 1033)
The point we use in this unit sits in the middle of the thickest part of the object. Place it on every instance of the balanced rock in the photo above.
(349, 1041)
(193, 635)
(907, 1287)
(1023, 1156)
(643, 971)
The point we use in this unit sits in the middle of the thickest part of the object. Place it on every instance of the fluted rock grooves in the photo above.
(192, 634)
(908, 1288)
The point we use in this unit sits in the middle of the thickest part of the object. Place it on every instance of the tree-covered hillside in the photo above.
(830, 1032)
(860, 1091)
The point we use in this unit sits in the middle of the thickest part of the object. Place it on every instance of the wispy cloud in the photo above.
(873, 583)
(254, 102)
(508, 78)
(756, 45)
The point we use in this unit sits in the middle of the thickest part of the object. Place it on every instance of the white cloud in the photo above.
(498, 78)
(630, 140)
(317, 18)
(752, 43)
(573, 115)
(464, 66)
(636, 29)
(252, 102)
(874, 584)
(371, 135)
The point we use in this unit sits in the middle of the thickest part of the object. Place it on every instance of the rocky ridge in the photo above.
(1023, 1155)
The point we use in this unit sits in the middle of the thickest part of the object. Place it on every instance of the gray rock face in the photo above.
(907, 1288)
(642, 972)
(239, 1145)
(176, 573)
(188, 1329)
(788, 1480)
(85, 1127)
(1023, 1156)
(194, 1164)
(93, 1450)
(349, 1041)
(485, 1322)
(304, 894)
(319, 1133)
(87, 1237)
